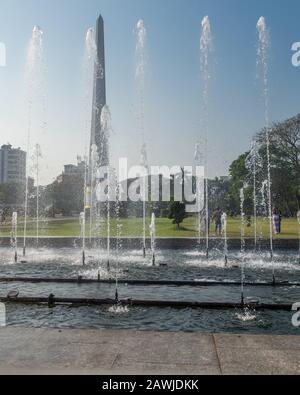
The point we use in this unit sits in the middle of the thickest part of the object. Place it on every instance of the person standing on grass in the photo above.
(217, 217)
(277, 221)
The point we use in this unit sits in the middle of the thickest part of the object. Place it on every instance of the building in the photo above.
(98, 137)
(12, 165)
(73, 171)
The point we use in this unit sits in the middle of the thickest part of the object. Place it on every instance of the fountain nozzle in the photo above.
(83, 258)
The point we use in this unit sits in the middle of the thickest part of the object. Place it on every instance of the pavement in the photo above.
(51, 351)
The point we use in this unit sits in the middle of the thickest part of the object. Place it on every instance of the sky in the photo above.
(173, 94)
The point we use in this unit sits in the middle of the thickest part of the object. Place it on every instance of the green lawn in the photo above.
(133, 227)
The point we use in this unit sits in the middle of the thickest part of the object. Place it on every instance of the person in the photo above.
(217, 217)
(277, 221)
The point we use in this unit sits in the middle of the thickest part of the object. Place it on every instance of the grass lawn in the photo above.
(132, 227)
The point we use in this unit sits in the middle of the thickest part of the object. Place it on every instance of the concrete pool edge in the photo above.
(85, 352)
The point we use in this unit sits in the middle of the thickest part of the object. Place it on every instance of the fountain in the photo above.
(144, 163)
(82, 234)
(14, 235)
(118, 236)
(253, 163)
(263, 204)
(224, 230)
(141, 34)
(153, 238)
(88, 67)
(243, 245)
(37, 156)
(106, 129)
(35, 71)
(94, 159)
(198, 162)
(262, 62)
(205, 50)
(179, 280)
(298, 218)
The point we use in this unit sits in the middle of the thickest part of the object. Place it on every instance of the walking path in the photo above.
(51, 351)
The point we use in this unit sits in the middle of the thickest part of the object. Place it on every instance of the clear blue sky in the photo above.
(173, 83)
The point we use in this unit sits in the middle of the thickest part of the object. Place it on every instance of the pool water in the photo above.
(177, 265)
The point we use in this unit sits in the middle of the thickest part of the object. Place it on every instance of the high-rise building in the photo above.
(98, 137)
(12, 165)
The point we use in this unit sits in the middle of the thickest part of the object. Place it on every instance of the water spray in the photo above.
(262, 62)
(94, 160)
(119, 233)
(14, 235)
(37, 155)
(298, 218)
(141, 35)
(205, 51)
(253, 164)
(82, 227)
(34, 76)
(199, 192)
(242, 200)
(224, 229)
(153, 237)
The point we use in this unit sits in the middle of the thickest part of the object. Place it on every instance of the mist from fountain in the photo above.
(224, 230)
(82, 234)
(118, 235)
(35, 70)
(253, 164)
(243, 245)
(37, 154)
(141, 35)
(198, 157)
(107, 130)
(205, 51)
(94, 160)
(298, 218)
(14, 235)
(90, 58)
(262, 64)
(153, 238)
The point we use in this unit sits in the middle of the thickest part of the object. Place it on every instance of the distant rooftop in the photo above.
(9, 147)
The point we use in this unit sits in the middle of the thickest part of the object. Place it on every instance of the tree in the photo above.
(285, 163)
(67, 195)
(239, 176)
(219, 193)
(284, 167)
(177, 213)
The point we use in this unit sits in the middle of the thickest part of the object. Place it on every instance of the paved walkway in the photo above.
(50, 351)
